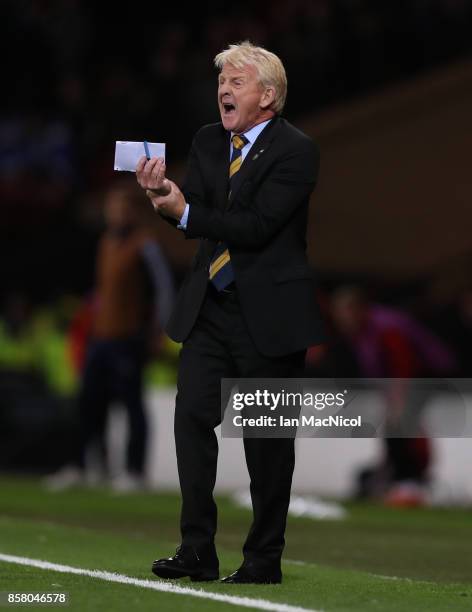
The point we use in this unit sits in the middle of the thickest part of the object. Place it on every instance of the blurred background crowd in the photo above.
(80, 75)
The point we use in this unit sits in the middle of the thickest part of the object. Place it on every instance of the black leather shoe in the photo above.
(243, 576)
(187, 562)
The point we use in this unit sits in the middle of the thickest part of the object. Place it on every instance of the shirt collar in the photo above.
(254, 132)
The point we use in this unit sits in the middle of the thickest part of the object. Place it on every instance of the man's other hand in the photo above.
(172, 205)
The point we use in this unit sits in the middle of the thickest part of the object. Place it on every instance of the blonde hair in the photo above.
(270, 70)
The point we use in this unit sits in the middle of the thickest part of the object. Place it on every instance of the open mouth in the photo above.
(228, 108)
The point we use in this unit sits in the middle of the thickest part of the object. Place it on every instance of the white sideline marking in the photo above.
(157, 585)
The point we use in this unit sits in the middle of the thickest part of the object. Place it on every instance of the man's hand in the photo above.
(164, 194)
(151, 175)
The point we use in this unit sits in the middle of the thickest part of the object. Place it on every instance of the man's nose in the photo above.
(223, 89)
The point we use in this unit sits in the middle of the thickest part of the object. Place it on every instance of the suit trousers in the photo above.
(219, 346)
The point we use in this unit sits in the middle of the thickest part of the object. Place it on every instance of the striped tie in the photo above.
(221, 270)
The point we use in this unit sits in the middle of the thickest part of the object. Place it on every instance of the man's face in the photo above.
(239, 98)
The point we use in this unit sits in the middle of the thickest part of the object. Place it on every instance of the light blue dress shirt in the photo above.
(251, 135)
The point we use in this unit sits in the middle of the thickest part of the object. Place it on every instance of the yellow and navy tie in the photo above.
(221, 270)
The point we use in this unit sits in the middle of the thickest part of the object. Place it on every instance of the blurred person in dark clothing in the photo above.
(132, 301)
(376, 341)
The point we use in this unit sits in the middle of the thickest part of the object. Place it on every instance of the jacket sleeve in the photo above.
(286, 187)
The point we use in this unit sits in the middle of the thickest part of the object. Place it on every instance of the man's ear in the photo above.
(267, 98)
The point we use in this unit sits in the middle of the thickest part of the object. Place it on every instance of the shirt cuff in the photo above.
(183, 221)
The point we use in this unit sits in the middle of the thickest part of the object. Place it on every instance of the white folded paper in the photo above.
(128, 153)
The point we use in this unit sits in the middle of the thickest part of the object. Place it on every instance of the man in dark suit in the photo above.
(246, 308)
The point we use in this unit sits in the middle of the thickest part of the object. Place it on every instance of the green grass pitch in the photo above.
(377, 559)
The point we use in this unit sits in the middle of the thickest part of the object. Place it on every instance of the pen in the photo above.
(146, 149)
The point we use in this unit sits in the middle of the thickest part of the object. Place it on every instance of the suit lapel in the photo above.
(256, 152)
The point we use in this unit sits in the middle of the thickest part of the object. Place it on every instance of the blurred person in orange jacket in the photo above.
(132, 300)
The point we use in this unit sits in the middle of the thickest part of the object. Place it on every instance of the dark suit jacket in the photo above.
(263, 223)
